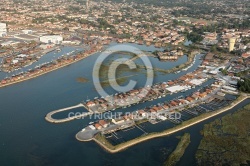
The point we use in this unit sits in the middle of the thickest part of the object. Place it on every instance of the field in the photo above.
(226, 141)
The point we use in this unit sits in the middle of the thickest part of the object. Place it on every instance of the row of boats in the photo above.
(38, 66)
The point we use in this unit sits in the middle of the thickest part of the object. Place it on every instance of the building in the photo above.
(56, 39)
(98, 126)
(103, 123)
(231, 44)
(118, 121)
(3, 29)
(87, 4)
(27, 31)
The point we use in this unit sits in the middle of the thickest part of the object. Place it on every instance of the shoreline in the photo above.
(186, 124)
(45, 72)
(189, 61)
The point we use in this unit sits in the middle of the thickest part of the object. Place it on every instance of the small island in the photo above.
(82, 80)
(179, 150)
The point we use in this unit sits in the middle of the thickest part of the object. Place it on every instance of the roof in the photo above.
(102, 122)
(209, 56)
(97, 125)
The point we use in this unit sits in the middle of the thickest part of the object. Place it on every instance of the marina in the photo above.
(164, 111)
(57, 86)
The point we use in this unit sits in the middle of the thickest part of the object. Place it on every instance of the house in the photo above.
(103, 123)
(209, 56)
(142, 113)
(246, 55)
(152, 110)
(194, 96)
(98, 126)
(118, 120)
(183, 101)
(90, 104)
(3, 82)
(104, 106)
(157, 109)
(170, 83)
(204, 94)
(134, 92)
(173, 103)
(190, 99)
(127, 117)
(165, 106)
(183, 78)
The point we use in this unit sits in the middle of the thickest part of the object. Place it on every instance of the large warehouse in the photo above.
(56, 39)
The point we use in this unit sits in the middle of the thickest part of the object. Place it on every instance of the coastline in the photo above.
(180, 149)
(49, 115)
(189, 61)
(117, 148)
(45, 72)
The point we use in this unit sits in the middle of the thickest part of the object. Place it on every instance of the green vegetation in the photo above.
(242, 74)
(179, 150)
(244, 85)
(224, 71)
(226, 141)
(103, 24)
(120, 81)
(176, 68)
(119, 77)
(101, 138)
(194, 37)
(82, 80)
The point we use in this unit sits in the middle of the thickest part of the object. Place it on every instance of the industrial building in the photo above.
(56, 39)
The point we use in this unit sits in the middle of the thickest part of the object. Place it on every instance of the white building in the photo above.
(3, 29)
(56, 39)
(27, 31)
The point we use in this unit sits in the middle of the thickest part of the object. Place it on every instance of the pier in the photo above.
(49, 118)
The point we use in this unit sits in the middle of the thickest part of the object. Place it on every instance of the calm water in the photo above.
(27, 139)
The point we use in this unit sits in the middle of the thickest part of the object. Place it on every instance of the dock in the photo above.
(49, 118)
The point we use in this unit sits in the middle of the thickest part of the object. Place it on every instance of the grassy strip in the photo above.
(179, 150)
(82, 79)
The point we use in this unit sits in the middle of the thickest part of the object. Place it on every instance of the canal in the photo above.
(27, 139)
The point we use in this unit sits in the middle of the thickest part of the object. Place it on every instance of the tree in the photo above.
(244, 85)
(194, 37)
